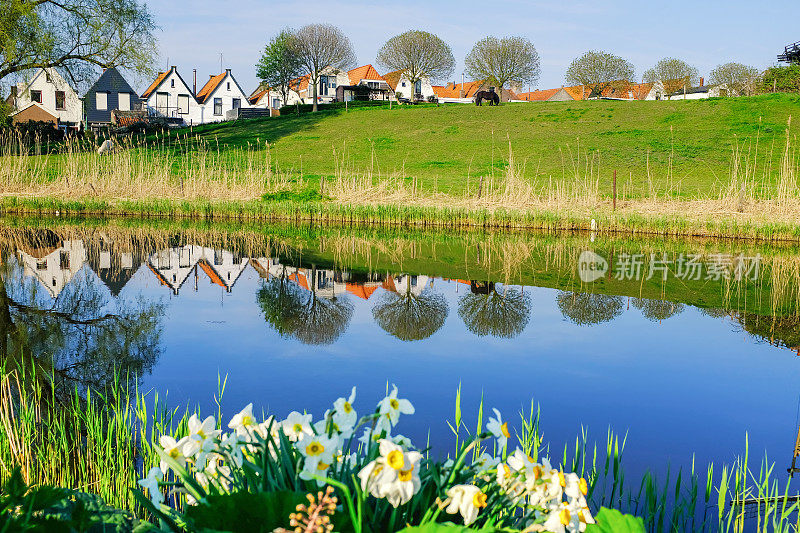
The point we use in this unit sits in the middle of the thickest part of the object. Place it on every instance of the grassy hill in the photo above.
(685, 148)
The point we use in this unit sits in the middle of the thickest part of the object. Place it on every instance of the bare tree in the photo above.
(600, 70)
(279, 64)
(76, 36)
(673, 73)
(510, 59)
(320, 47)
(419, 54)
(739, 78)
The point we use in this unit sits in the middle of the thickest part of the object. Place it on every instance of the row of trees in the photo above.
(421, 55)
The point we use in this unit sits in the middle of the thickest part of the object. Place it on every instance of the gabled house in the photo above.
(221, 98)
(364, 84)
(169, 96)
(111, 92)
(465, 92)
(546, 95)
(46, 96)
(400, 84)
(329, 80)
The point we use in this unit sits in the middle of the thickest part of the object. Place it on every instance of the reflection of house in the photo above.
(114, 268)
(54, 267)
(411, 283)
(173, 266)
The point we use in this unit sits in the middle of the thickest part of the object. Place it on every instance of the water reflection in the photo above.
(657, 310)
(586, 309)
(410, 309)
(60, 306)
(485, 311)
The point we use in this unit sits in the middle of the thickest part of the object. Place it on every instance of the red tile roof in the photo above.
(256, 96)
(360, 290)
(365, 72)
(393, 78)
(538, 96)
(160, 78)
(454, 90)
(211, 273)
(209, 87)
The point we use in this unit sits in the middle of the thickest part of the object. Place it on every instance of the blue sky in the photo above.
(703, 33)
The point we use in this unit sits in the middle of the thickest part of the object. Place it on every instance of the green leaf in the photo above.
(613, 521)
(447, 527)
(245, 512)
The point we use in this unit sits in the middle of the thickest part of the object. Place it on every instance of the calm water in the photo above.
(686, 359)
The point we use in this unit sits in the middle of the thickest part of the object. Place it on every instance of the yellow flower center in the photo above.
(315, 448)
(479, 500)
(506, 470)
(394, 403)
(405, 475)
(561, 479)
(537, 472)
(174, 453)
(322, 466)
(347, 407)
(247, 420)
(584, 488)
(581, 517)
(565, 516)
(395, 459)
(201, 433)
(297, 428)
(504, 430)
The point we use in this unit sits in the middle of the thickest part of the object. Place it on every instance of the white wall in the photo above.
(227, 90)
(407, 89)
(194, 116)
(73, 110)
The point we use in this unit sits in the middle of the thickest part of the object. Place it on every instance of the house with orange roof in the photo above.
(221, 98)
(169, 96)
(400, 85)
(329, 80)
(465, 92)
(364, 84)
(546, 95)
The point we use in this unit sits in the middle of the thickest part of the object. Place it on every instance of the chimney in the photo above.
(228, 71)
(194, 84)
(173, 67)
(701, 81)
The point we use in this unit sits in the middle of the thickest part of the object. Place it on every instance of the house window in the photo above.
(418, 87)
(326, 83)
(183, 104)
(276, 103)
(372, 84)
(124, 102)
(218, 106)
(403, 84)
(162, 102)
(36, 96)
(229, 86)
(101, 101)
(237, 103)
(172, 83)
(63, 260)
(61, 98)
(41, 265)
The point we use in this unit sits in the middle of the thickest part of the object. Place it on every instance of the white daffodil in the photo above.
(296, 425)
(150, 482)
(233, 445)
(174, 449)
(466, 500)
(199, 432)
(394, 407)
(243, 422)
(574, 487)
(499, 430)
(344, 416)
(315, 471)
(402, 441)
(486, 462)
(566, 518)
(394, 475)
(317, 448)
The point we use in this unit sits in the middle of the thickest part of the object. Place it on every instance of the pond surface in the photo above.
(686, 346)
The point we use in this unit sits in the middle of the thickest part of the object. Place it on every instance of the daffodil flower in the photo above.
(394, 407)
(467, 500)
(574, 487)
(499, 430)
(394, 475)
(296, 425)
(316, 471)
(243, 421)
(174, 449)
(150, 482)
(344, 416)
(199, 432)
(317, 448)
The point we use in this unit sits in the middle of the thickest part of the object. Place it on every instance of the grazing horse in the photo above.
(491, 96)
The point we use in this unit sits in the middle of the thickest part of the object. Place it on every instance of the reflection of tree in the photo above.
(486, 311)
(778, 331)
(657, 310)
(585, 308)
(409, 316)
(80, 338)
(299, 313)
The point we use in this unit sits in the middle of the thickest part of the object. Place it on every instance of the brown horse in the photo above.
(491, 96)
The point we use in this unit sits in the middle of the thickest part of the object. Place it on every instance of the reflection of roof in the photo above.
(299, 278)
(211, 273)
(389, 284)
(160, 276)
(361, 290)
(258, 267)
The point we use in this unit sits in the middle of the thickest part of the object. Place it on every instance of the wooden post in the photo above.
(615, 191)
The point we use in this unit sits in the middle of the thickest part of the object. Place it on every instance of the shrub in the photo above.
(782, 79)
(432, 99)
(307, 108)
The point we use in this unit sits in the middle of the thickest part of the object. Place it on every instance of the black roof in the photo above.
(692, 90)
(111, 82)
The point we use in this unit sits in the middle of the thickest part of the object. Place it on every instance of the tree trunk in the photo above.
(316, 83)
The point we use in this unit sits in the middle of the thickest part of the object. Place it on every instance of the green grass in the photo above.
(449, 145)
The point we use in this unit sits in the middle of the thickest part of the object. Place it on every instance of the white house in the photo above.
(268, 98)
(699, 93)
(171, 97)
(400, 84)
(53, 94)
(329, 80)
(220, 95)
